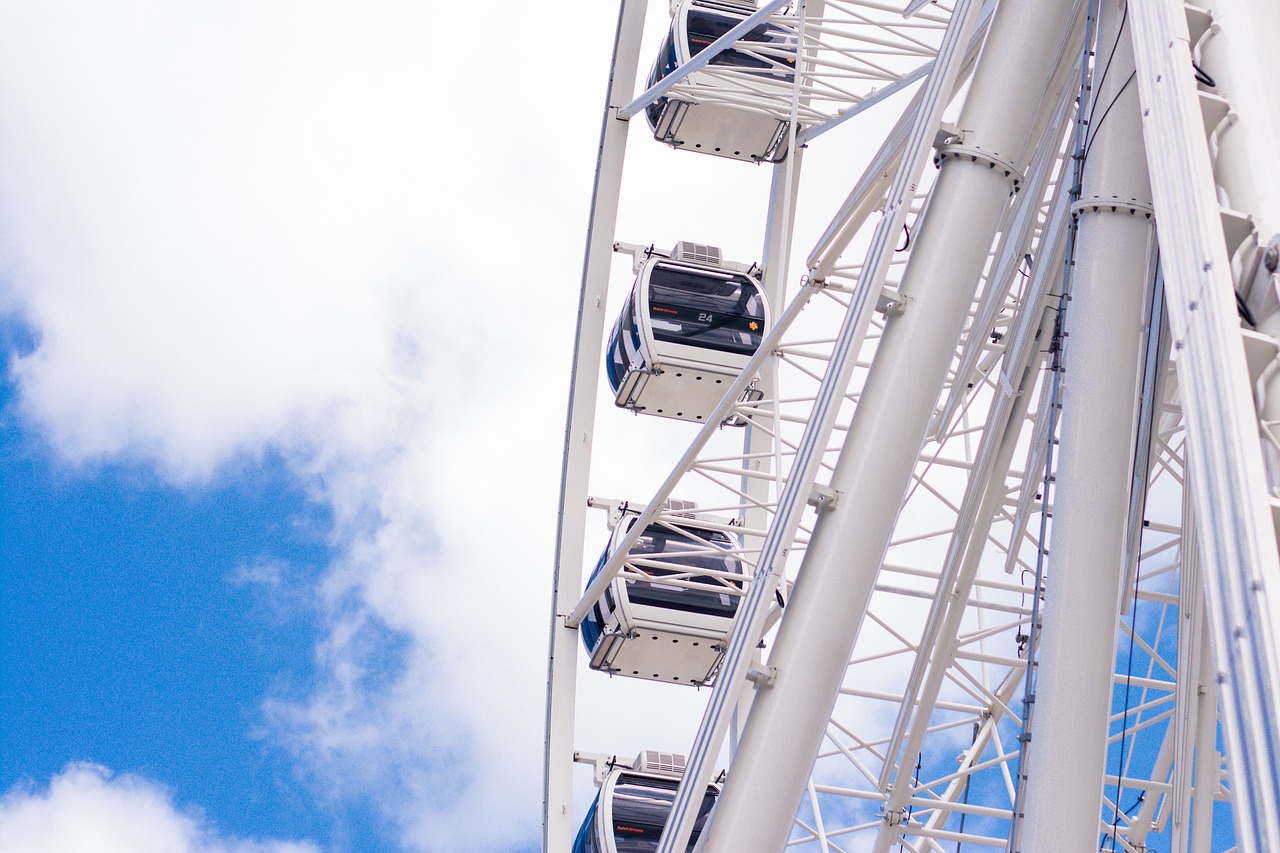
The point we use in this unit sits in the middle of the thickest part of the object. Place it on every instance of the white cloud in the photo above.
(87, 810)
(332, 231)
(350, 234)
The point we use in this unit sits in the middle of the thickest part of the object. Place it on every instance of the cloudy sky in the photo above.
(287, 299)
(287, 295)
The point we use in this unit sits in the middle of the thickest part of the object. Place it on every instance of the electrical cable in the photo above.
(1107, 111)
(1202, 76)
(1079, 136)
(1090, 130)
(1097, 87)
(1246, 314)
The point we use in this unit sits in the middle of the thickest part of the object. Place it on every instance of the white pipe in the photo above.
(819, 627)
(1067, 754)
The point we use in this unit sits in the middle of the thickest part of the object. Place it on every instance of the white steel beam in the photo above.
(796, 494)
(985, 490)
(1208, 763)
(1192, 648)
(1241, 568)
(820, 624)
(1103, 323)
(562, 664)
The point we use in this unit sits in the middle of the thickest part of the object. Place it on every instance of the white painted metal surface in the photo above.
(890, 485)
(562, 665)
(1103, 322)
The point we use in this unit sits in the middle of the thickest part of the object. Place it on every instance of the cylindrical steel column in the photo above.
(1067, 755)
(786, 725)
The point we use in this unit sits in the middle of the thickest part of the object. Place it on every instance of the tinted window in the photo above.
(624, 345)
(662, 66)
(585, 842)
(705, 308)
(640, 810)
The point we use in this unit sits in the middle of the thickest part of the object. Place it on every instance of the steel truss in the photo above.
(1028, 441)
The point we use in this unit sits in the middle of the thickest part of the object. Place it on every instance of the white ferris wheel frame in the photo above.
(1197, 423)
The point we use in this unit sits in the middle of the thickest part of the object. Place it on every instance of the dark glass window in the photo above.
(640, 810)
(705, 308)
(594, 623)
(704, 27)
(666, 62)
(624, 345)
(679, 550)
(585, 842)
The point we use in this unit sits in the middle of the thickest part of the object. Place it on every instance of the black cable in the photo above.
(1107, 112)
(1124, 19)
(1242, 308)
(1202, 76)
(1091, 131)
(906, 245)
(910, 808)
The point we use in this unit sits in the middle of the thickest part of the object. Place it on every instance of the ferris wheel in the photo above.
(942, 516)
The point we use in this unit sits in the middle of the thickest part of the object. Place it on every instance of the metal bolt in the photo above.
(1272, 258)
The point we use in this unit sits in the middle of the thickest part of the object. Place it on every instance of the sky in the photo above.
(287, 297)
(288, 294)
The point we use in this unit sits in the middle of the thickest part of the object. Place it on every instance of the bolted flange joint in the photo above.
(974, 154)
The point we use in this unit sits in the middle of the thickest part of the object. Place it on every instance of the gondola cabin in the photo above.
(667, 615)
(633, 804)
(686, 331)
(739, 105)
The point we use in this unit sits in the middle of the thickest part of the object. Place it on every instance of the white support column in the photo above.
(1104, 319)
(1208, 762)
(1241, 564)
(819, 627)
(557, 819)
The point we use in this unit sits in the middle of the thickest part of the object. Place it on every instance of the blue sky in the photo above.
(135, 638)
(264, 277)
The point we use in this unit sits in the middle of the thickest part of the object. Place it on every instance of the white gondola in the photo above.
(633, 804)
(738, 106)
(688, 328)
(667, 615)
